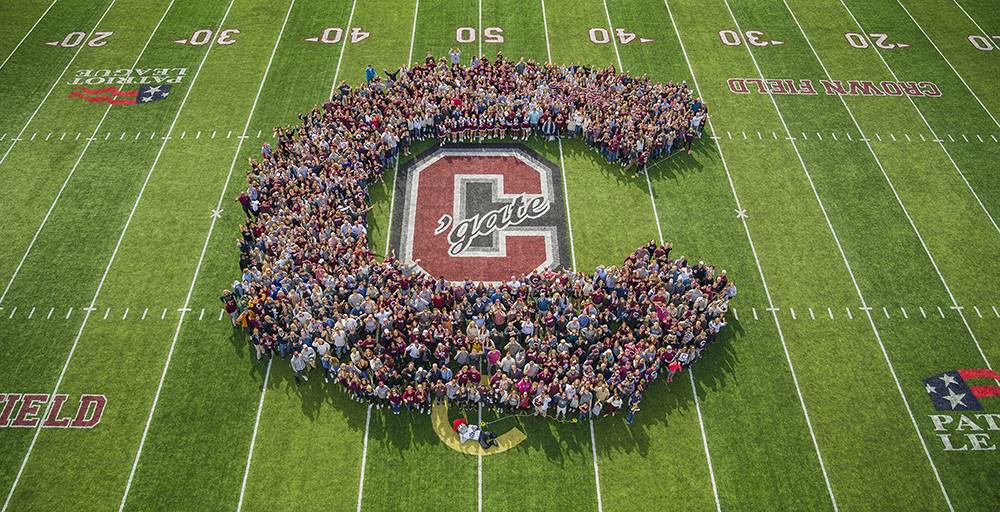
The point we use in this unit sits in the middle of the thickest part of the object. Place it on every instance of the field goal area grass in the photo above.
(846, 181)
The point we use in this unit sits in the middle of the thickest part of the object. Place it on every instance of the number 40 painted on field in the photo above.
(333, 35)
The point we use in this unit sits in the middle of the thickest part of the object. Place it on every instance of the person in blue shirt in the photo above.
(370, 73)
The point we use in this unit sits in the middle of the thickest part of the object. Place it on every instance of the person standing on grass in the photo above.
(370, 73)
(630, 417)
(299, 367)
(456, 56)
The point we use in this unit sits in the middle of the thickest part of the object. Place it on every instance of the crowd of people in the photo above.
(555, 343)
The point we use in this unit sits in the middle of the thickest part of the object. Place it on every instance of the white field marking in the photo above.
(871, 321)
(774, 135)
(995, 312)
(892, 136)
(811, 314)
(106, 313)
(253, 437)
(201, 315)
(28, 33)
(994, 137)
(213, 133)
(850, 316)
(151, 135)
(980, 137)
(413, 32)
(49, 136)
(76, 164)
(221, 312)
(878, 136)
(744, 135)
(12, 313)
(908, 139)
(144, 313)
(760, 271)
(122, 137)
(53, 310)
(197, 135)
(229, 134)
(569, 215)
(364, 456)
(479, 32)
(978, 313)
(33, 135)
(922, 312)
(735, 314)
(593, 451)
(922, 138)
(948, 62)
(614, 41)
(974, 22)
(906, 316)
(137, 134)
(926, 122)
(754, 313)
(336, 72)
(258, 131)
(760, 136)
(834, 135)
(793, 313)
(966, 138)
(951, 138)
(31, 313)
(163, 314)
(886, 311)
(729, 134)
(184, 134)
(68, 313)
(829, 311)
(849, 137)
(479, 472)
(2, 137)
(941, 311)
(804, 136)
(77, 136)
(201, 257)
(107, 269)
(819, 136)
(125, 315)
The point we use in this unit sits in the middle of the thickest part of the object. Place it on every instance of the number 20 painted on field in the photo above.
(880, 40)
(74, 39)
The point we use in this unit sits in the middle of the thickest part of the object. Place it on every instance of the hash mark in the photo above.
(12, 313)
(811, 314)
(31, 313)
(258, 134)
(122, 137)
(229, 134)
(197, 135)
(729, 134)
(793, 313)
(106, 313)
(164, 314)
(755, 313)
(951, 138)
(922, 138)
(77, 136)
(151, 135)
(47, 137)
(68, 313)
(886, 311)
(759, 135)
(184, 134)
(829, 312)
(107, 136)
(978, 313)
(834, 134)
(994, 137)
(904, 313)
(137, 134)
(849, 136)
(744, 135)
(33, 135)
(923, 313)
(63, 136)
(775, 135)
(144, 313)
(893, 135)
(2, 137)
(49, 316)
(995, 311)
(980, 137)
(908, 139)
(877, 136)
(221, 311)
(213, 134)
(964, 137)
(202, 314)
(125, 315)
(940, 311)
(820, 137)
(804, 136)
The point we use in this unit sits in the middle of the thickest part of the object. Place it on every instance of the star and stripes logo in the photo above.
(115, 96)
(950, 391)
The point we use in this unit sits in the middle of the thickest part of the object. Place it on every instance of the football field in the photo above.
(848, 181)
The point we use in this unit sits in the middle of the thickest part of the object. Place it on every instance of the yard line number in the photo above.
(983, 43)
(731, 37)
(74, 39)
(600, 35)
(880, 40)
(204, 36)
(333, 35)
(468, 35)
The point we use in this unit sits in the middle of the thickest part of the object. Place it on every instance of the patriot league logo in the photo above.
(483, 213)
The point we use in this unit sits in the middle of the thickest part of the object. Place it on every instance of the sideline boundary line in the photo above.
(760, 271)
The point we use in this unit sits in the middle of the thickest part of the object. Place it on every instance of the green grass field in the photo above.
(861, 231)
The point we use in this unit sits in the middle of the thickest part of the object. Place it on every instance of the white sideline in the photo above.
(336, 72)
(921, 114)
(840, 249)
(974, 22)
(57, 81)
(76, 164)
(201, 257)
(954, 303)
(948, 62)
(760, 272)
(107, 269)
(30, 30)
(659, 232)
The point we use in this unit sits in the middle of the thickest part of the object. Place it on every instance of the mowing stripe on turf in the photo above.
(760, 270)
(76, 164)
(30, 30)
(948, 62)
(90, 309)
(921, 114)
(54, 84)
(201, 259)
(840, 248)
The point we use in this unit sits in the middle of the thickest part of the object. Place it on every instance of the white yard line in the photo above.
(704, 439)
(54, 84)
(364, 457)
(395, 174)
(974, 22)
(253, 438)
(597, 472)
(920, 237)
(479, 29)
(760, 271)
(336, 72)
(76, 164)
(111, 260)
(614, 40)
(843, 254)
(479, 467)
(30, 30)
(948, 62)
(201, 257)
(921, 114)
